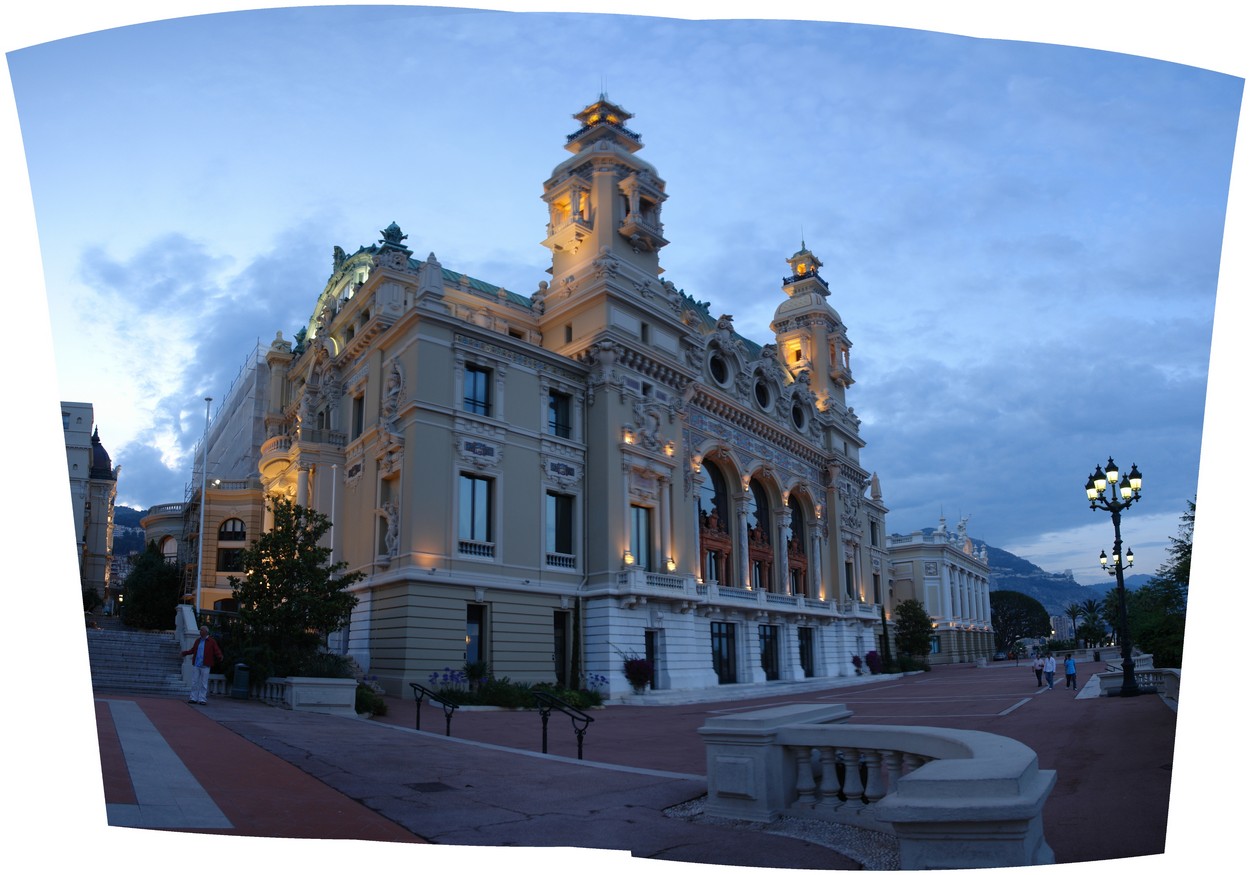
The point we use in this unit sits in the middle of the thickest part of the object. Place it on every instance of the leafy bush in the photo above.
(874, 661)
(368, 701)
(325, 665)
(502, 692)
(910, 663)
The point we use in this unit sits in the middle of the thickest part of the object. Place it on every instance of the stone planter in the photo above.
(323, 695)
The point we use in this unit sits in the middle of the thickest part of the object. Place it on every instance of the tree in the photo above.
(1156, 611)
(913, 628)
(1073, 612)
(290, 595)
(1092, 629)
(151, 590)
(1015, 615)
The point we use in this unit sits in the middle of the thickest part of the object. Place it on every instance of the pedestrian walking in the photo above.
(1038, 666)
(1048, 668)
(1069, 671)
(205, 655)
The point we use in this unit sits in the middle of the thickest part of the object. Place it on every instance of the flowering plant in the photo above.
(638, 670)
(857, 662)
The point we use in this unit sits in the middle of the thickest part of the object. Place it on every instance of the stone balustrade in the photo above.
(953, 798)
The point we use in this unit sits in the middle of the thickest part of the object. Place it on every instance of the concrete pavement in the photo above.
(279, 773)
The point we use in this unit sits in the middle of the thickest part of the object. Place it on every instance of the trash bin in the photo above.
(1097, 656)
(239, 689)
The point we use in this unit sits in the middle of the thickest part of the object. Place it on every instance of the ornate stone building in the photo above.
(553, 481)
(946, 573)
(93, 490)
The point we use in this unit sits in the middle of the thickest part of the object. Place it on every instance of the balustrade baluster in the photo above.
(893, 769)
(828, 779)
(876, 778)
(805, 783)
(852, 784)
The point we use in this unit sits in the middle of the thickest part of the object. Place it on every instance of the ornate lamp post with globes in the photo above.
(1100, 484)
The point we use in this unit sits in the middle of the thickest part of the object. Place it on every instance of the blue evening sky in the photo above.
(1023, 236)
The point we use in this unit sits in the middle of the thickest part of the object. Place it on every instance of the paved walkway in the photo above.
(244, 768)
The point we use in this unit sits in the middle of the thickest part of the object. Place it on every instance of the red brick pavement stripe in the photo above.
(117, 787)
(261, 794)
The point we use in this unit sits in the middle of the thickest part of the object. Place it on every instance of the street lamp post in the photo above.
(1100, 484)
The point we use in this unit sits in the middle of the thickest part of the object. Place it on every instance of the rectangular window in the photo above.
(475, 509)
(770, 659)
(876, 589)
(807, 651)
(876, 538)
(475, 633)
(724, 647)
(640, 536)
(358, 416)
(559, 526)
(558, 421)
(850, 580)
(477, 390)
(230, 560)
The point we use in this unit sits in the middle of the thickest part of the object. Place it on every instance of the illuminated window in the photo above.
(232, 529)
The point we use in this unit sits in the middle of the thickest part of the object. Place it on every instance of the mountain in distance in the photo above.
(1055, 591)
(127, 535)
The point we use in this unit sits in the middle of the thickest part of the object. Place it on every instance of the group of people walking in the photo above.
(1045, 668)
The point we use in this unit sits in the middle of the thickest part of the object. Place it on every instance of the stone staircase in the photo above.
(137, 663)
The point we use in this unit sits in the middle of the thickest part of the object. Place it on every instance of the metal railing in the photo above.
(580, 719)
(420, 693)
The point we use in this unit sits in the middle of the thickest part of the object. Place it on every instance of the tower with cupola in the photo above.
(810, 334)
(604, 231)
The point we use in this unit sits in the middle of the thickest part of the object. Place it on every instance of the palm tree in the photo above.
(1091, 611)
(1073, 613)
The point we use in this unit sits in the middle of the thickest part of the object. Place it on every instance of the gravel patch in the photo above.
(871, 849)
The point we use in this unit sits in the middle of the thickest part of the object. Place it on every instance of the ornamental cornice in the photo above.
(513, 356)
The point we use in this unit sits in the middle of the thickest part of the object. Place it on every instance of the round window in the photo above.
(719, 370)
(796, 414)
(762, 396)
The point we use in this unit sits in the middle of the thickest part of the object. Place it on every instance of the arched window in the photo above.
(715, 540)
(232, 529)
(759, 544)
(796, 548)
(169, 548)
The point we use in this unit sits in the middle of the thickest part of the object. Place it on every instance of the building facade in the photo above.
(599, 469)
(93, 491)
(950, 576)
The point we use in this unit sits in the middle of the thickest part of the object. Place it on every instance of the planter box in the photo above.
(323, 695)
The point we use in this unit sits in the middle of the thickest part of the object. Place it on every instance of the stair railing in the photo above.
(421, 693)
(580, 719)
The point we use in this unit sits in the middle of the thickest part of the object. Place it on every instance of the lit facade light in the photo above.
(629, 558)
(671, 565)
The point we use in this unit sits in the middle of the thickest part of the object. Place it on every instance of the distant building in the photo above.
(233, 513)
(93, 489)
(551, 482)
(947, 574)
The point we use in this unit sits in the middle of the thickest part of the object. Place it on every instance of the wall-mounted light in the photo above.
(672, 566)
(629, 558)
(669, 448)
(627, 435)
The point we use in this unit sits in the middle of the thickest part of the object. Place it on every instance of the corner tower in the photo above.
(810, 334)
(604, 228)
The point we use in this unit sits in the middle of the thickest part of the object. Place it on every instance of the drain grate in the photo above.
(431, 787)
